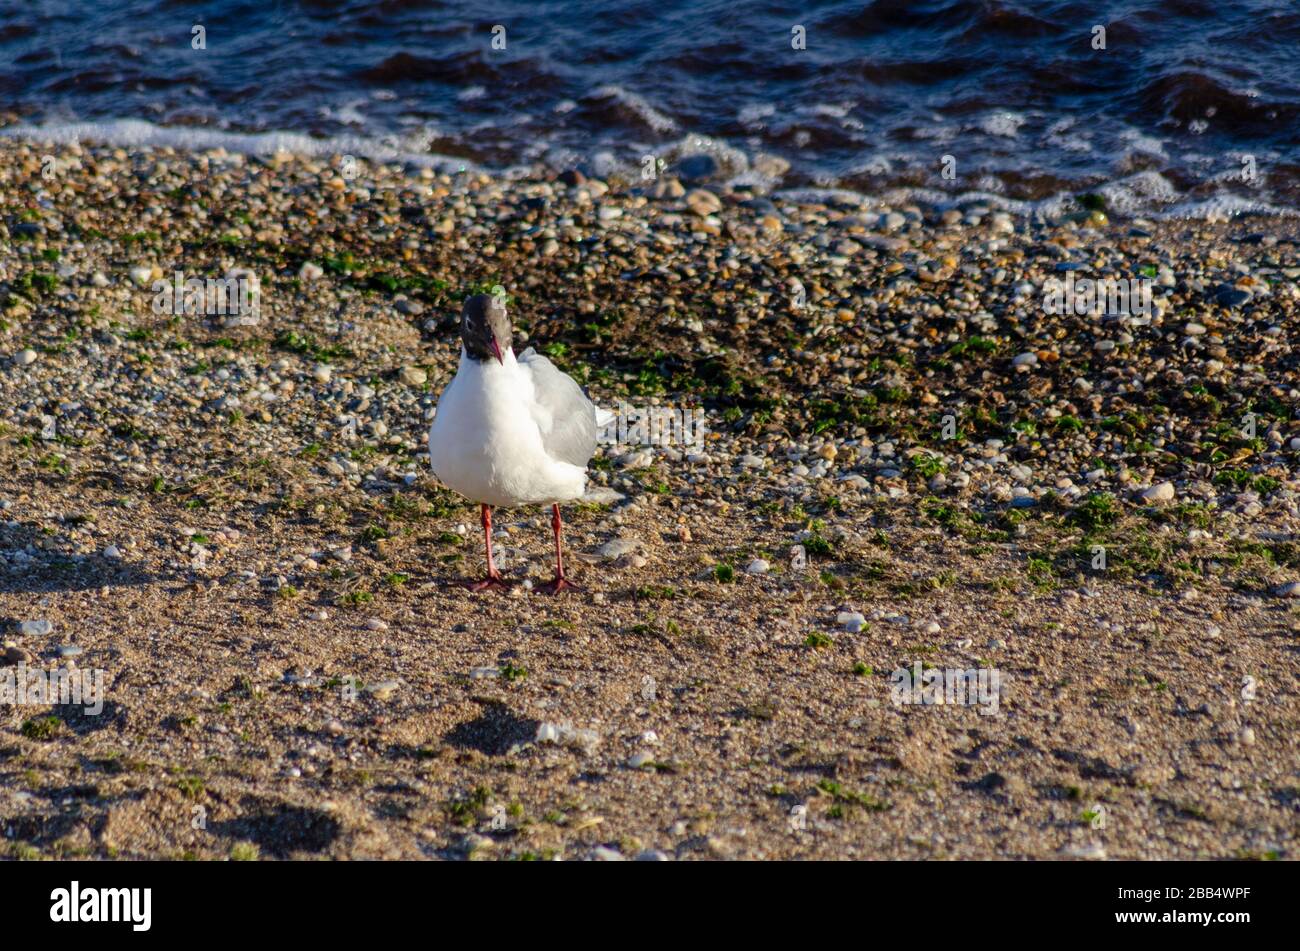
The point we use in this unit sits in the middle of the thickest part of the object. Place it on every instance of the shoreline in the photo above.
(233, 522)
(1136, 194)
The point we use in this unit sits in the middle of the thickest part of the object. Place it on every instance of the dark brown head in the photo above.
(485, 328)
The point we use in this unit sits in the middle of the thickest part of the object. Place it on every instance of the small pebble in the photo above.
(851, 621)
(1164, 492)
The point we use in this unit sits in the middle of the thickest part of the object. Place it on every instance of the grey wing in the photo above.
(567, 418)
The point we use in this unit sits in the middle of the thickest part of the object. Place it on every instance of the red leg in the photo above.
(493, 579)
(560, 582)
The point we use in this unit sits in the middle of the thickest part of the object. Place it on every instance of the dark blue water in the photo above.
(1186, 100)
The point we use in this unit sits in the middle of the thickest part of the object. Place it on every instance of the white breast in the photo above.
(485, 443)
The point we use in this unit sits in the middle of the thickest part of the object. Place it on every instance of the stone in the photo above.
(617, 547)
(602, 495)
(14, 655)
(1093, 851)
(1231, 296)
(851, 621)
(1163, 492)
(669, 188)
(697, 168)
(703, 203)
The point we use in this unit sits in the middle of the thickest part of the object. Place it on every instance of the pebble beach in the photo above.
(908, 463)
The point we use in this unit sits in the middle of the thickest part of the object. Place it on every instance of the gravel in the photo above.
(893, 422)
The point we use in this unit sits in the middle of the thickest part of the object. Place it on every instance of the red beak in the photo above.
(496, 349)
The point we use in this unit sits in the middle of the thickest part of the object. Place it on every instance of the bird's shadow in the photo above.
(493, 732)
(280, 829)
(58, 569)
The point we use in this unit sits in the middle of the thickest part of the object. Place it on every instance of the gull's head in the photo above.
(485, 327)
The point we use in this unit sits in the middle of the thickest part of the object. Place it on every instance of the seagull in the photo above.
(510, 431)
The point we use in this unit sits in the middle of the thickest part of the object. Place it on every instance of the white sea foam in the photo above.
(821, 196)
(1146, 193)
(639, 106)
(944, 200)
(1146, 144)
(940, 133)
(135, 133)
(754, 113)
(873, 165)
(1004, 124)
(1064, 134)
(1224, 208)
(731, 160)
(347, 114)
(1138, 193)
(835, 110)
(604, 164)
